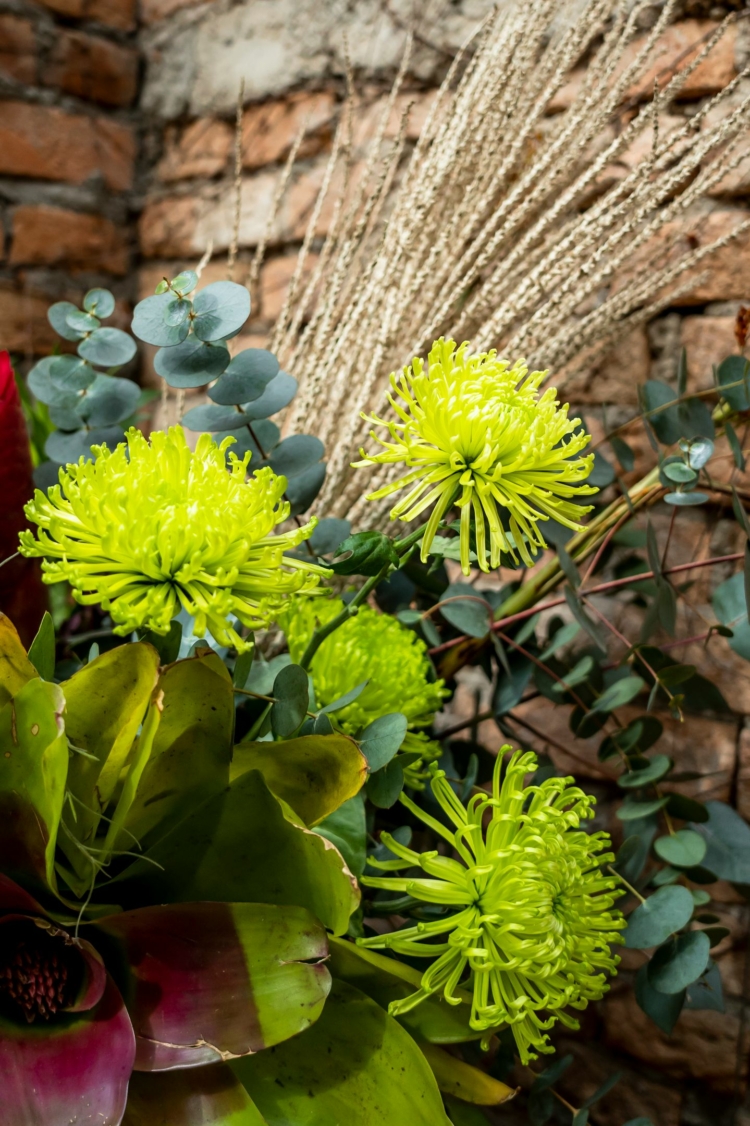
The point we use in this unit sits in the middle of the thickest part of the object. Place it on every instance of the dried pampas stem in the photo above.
(532, 216)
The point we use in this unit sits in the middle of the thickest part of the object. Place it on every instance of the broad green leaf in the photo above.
(387, 979)
(277, 395)
(356, 1066)
(454, 1077)
(683, 849)
(221, 310)
(663, 1008)
(727, 838)
(192, 749)
(733, 378)
(346, 829)
(193, 1096)
(382, 738)
(33, 770)
(15, 667)
(632, 809)
(105, 704)
(238, 847)
(663, 913)
(314, 774)
(42, 649)
(206, 981)
(679, 963)
(246, 377)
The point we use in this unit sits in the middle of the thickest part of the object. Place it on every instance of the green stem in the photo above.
(403, 549)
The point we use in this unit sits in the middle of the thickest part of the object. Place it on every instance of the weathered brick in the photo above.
(18, 50)
(275, 276)
(269, 130)
(93, 68)
(707, 340)
(50, 144)
(702, 1046)
(112, 13)
(52, 236)
(682, 41)
(167, 227)
(613, 377)
(201, 149)
(743, 773)
(23, 322)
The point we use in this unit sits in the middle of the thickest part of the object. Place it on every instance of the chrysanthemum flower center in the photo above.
(37, 973)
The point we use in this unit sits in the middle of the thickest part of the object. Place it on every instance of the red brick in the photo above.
(18, 55)
(167, 227)
(612, 377)
(270, 130)
(23, 322)
(707, 341)
(52, 236)
(275, 276)
(94, 68)
(684, 38)
(50, 144)
(201, 149)
(111, 13)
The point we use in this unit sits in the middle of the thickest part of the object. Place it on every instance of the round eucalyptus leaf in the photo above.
(66, 448)
(70, 373)
(699, 452)
(679, 472)
(149, 323)
(301, 491)
(329, 533)
(40, 384)
(100, 303)
(58, 314)
(683, 849)
(277, 395)
(108, 347)
(161, 287)
(632, 809)
(177, 313)
(658, 766)
(291, 693)
(66, 416)
(683, 500)
(46, 474)
(381, 739)
(192, 363)
(110, 399)
(210, 417)
(220, 310)
(663, 913)
(385, 785)
(663, 1008)
(680, 962)
(82, 322)
(246, 378)
(185, 282)
(296, 454)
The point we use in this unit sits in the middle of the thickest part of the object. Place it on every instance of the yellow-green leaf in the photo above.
(314, 774)
(15, 667)
(33, 770)
(454, 1077)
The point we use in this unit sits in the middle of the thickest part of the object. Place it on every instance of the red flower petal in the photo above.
(73, 1069)
(22, 595)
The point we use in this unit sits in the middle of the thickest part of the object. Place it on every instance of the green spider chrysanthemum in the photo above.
(474, 431)
(376, 648)
(151, 526)
(531, 920)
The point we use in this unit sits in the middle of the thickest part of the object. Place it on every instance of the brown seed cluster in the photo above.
(35, 977)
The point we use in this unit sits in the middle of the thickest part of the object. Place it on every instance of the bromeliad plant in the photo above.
(204, 844)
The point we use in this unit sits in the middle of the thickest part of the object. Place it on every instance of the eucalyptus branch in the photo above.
(403, 549)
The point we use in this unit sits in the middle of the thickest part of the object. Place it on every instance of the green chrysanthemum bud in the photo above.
(151, 526)
(530, 917)
(376, 648)
(476, 432)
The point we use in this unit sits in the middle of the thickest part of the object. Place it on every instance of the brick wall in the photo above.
(69, 84)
